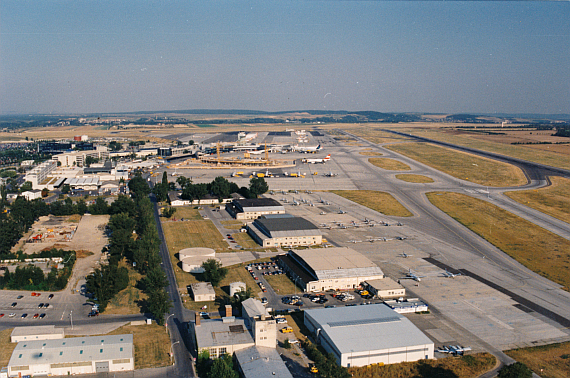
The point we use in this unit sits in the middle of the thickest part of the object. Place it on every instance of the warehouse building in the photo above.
(364, 335)
(78, 355)
(284, 231)
(329, 268)
(385, 288)
(253, 208)
(47, 332)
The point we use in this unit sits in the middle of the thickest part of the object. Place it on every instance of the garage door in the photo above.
(102, 366)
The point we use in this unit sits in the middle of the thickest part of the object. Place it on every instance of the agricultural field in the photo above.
(553, 200)
(382, 202)
(418, 179)
(463, 166)
(389, 164)
(468, 366)
(548, 361)
(536, 248)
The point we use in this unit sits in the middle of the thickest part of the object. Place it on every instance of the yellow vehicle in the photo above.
(261, 175)
(364, 292)
(313, 369)
(315, 173)
(293, 175)
(286, 330)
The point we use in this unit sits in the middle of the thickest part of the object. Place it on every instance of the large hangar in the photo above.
(284, 230)
(364, 335)
(323, 269)
(254, 208)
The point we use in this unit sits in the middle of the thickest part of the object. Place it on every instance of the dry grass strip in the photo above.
(381, 202)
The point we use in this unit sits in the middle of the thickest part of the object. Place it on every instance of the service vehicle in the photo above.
(286, 330)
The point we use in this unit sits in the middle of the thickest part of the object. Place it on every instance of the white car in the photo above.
(12, 315)
(281, 320)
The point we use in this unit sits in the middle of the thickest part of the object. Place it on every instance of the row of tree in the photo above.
(133, 238)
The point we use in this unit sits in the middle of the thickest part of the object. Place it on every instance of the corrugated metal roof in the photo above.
(366, 328)
(262, 362)
(328, 263)
(76, 349)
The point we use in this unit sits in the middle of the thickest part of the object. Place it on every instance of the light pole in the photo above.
(166, 322)
(172, 350)
(71, 318)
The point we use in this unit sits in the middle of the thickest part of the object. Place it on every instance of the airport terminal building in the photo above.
(284, 230)
(371, 334)
(329, 268)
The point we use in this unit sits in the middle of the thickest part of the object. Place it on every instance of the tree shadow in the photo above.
(425, 370)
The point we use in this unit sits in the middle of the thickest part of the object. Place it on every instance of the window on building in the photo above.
(60, 353)
(213, 352)
(100, 350)
(81, 351)
(121, 349)
(223, 351)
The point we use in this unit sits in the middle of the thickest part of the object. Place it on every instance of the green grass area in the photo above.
(462, 165)
(536, 248)
(243, 239)
(187, 212)
(282, 284)
(418, 179)
(232, 224)
(549, 361)
(468, 366)
(382, 202)
(553, 200)
(389, 164)
(191, 234)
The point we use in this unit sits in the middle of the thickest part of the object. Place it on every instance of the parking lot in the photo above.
(34, 306)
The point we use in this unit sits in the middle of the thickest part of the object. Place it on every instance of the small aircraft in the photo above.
(317, 161)
(448, 274)
(453, 349)
(355, 241)
(372, 240)
(411, 275)
(322, 213)
(341, 211)
(256, 152)
(401, 238)
(405, 255)
(331, 174)
(308, 192)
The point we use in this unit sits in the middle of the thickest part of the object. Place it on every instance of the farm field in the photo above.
(462, 165)
(536, 248)
(389, 164)
(382, 202)
(419, 179)
(553, 200)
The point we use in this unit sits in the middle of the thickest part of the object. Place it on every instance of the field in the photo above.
(419, 179)
(282, 284)
(127, 301)
(553, 200)
(188, 213)
(191, 234)
(232, 224)
(370, 153)
(549, 361)
(7, 346)
(382, 202)
(539, 153)
(243, 239)
(389, 164)
(462, 165)
(151, 342)
(536, 248)
(451, 367)
(374, 134)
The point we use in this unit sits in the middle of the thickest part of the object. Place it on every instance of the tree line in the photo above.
(133, 238)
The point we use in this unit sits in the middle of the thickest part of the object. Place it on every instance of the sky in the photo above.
(411, 56)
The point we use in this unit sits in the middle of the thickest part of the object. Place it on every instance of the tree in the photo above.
(164, 178)
(222, 368)
(213, 271)
(115, 146)
(26, 186)
(65, 189)
(100, 207)
(138, 187)
(516, 370)
(90, 160)
(257, 186)
(286, 344)
(123, 204)
(183, 181)
(168, 212)
(45, 192)
(158, 304)
(220, 188)
(155, 280)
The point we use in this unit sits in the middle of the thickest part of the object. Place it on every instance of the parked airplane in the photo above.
(308, 149)
(323, 213)
(412, 275)
(453, 349)
(404, 254)
(450, 275)
(330, 174)
(316, 161)
(341, 211)
(256, 152)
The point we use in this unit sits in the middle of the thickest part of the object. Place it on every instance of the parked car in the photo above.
(93, 313)
(12, 314)
(20, 297)
(14, 304)
(50, 296)
(24, 316)
(42, 316)
(41, 305)
(36, 316)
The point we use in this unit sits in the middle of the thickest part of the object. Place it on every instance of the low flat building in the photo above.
(284, 231)
(48, 332)
(203, 291)
(407, 305)
(253, 208)
(77, 355)
(385, 288)
(222, 336)
(193, 258)
(33, 194)
(261, 362)
(322, 269)
(371, 334)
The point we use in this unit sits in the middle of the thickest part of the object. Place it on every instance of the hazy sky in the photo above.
(420, 56)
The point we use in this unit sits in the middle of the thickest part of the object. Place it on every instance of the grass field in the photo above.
(243, 239)
(536, 248)
(462, 165)
(553, 200)
(7, 347)
(382, 202)
(232, 224)
(282, 284)
(151, 342)
(191, 234)
(370, 153)
(451, 367)
(127, 301)
(187, 212)
(549, 361)
(419, 179)
(374, 134)
(519, 151)
(389, 164)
